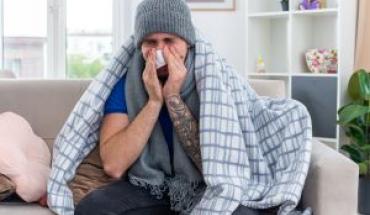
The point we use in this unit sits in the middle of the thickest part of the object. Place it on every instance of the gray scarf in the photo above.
(153, 169)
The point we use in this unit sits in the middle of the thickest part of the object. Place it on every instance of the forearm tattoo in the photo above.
(186, 128)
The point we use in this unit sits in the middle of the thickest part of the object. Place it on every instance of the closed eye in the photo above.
(151, 42)
(168, 40)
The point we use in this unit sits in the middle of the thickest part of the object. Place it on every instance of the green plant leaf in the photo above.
(353, 152)
(359, 85)
(340, 110)
(365, 148)
(356, 132)
(364, 79)
(364, 167)
(367, 119)
(351, 112)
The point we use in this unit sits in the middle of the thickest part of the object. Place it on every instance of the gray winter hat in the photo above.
(167, 16)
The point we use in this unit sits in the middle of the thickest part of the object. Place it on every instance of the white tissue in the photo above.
(159, 59)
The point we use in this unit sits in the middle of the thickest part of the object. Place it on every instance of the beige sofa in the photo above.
(331, 186)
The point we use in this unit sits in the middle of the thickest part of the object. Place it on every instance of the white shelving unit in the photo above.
(282, 38)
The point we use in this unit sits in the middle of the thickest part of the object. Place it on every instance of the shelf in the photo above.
(282, 38)
(270, 15)
(318, 12)
(268, 74)
(263, 42)
(315, 74)
(261, 6)
(311, 32)
(331, 5)
(285, 14)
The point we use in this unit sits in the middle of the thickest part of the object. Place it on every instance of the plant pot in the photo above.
(364, 196)
(285, 5)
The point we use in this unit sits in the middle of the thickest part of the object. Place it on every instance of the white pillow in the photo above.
(24, 157)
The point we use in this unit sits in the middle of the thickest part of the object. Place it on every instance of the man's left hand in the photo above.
(176, 72)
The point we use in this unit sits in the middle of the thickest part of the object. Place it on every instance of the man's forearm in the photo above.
(123, 148)
(186, 128)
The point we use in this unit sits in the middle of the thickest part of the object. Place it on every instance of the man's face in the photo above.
(159, 41)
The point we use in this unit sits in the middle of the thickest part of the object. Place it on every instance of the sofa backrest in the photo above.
(46, 104)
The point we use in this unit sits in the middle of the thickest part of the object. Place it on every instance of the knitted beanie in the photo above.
(167, 16)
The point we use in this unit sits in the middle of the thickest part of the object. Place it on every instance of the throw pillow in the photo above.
(89, 176)
(24, 157)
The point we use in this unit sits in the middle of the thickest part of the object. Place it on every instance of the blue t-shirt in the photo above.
(116, 103)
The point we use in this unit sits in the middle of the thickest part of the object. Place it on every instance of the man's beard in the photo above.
(163, 74)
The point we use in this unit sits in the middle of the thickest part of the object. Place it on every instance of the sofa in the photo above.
(331, 185)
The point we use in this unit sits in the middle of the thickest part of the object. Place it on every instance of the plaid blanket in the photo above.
(255, 150)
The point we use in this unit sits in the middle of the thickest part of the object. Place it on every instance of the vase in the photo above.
(285, 5)
(364, 196)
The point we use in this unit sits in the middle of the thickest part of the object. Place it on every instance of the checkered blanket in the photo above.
(255, 150)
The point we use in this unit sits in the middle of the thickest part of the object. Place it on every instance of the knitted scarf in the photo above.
(153, 168)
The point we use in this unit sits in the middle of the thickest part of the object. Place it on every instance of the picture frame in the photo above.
(211, 5)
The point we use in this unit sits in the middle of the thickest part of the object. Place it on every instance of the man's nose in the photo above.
(161, 45)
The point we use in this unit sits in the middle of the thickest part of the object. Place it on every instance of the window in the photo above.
(60, 39)
(25, 38)
(89, 37)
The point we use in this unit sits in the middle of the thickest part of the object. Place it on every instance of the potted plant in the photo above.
(284, 5)
(355, 119)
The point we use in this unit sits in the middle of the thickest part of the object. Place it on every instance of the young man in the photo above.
(160, 25)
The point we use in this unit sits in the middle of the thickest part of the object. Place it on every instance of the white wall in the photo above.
(224, 29)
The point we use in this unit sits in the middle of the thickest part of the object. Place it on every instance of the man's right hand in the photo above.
(152, 84)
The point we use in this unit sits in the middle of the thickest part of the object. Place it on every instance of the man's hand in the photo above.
(185, 124)
(151, 81)
(176, 72)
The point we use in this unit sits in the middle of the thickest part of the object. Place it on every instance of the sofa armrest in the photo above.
(332, 182)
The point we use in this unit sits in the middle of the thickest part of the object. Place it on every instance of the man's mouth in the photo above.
(162, 73)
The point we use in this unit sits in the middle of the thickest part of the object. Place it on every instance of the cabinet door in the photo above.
(319, 94)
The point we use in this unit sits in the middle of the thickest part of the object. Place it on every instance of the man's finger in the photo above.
(168, 57)
(151, 59)
(178, 60)
(150, 64)
(174, 58)
(175, 53)
(147, 54)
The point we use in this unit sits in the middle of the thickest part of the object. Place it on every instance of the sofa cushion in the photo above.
(18, 208)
